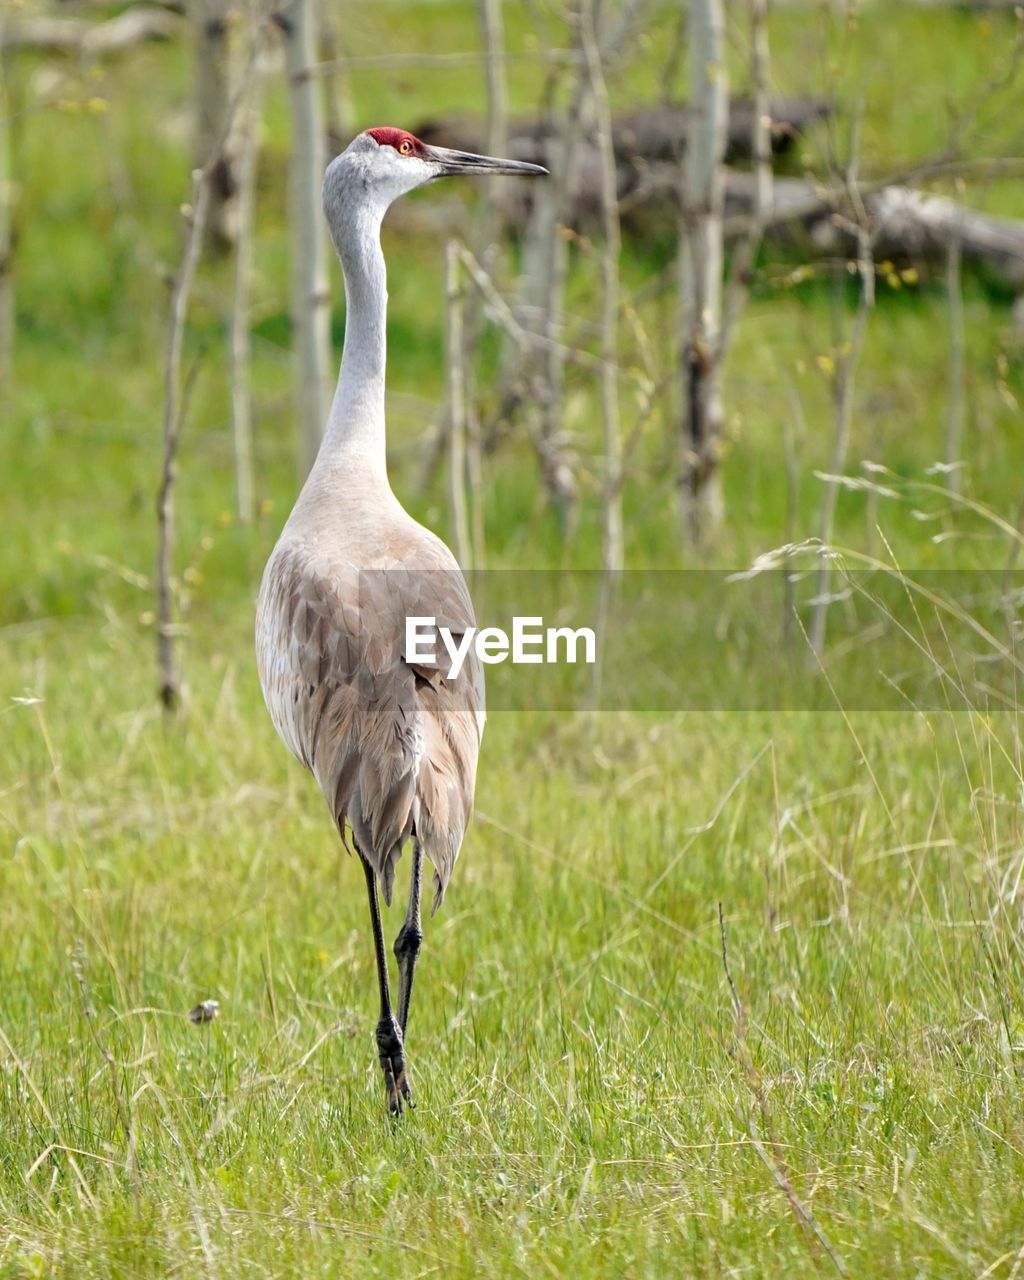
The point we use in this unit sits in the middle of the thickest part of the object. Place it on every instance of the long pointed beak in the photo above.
(453, 162)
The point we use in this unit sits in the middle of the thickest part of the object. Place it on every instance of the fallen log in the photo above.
(905, 224)
(914, 224)
(96, 39)
(646, 135)
(648, 142)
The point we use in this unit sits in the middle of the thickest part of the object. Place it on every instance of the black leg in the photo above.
(410, 936)
(389, 1034)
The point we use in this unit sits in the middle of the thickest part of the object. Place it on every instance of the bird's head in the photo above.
(384, 163)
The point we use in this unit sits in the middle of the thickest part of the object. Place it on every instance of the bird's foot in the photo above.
(392, 1062)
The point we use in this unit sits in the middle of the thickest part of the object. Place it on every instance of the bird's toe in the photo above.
(391, 1086)
(402, 1085)
(392, 1061)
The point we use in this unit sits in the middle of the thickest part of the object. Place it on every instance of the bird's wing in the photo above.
(392, 743)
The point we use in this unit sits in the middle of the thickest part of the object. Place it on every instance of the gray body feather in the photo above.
(393, 746)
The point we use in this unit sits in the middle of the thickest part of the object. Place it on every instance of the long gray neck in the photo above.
(354, 439)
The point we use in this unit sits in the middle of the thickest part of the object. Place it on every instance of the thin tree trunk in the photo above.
(488, 250)
(310, 311)
(485, 250)
(611, 506)
(611, 496)
(241, 398)
(212, 103)
(793, 432)
(744, 254)
(545, 268)
(456, 407)
(957, 365)
(847, 355)
(170, 682)
(700, 264)
(493, 24)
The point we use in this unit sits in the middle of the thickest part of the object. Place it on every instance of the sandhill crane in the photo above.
(392, 744)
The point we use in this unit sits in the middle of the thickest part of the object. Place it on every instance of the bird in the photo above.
(392, 743)
(205, 1011)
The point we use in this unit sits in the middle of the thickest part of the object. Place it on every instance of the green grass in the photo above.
(589, 1101)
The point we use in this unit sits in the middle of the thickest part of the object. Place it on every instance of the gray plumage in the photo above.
(392, 744)
(394, 753)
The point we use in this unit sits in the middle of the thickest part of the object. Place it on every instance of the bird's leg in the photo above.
(389, 1033)
(410, 936)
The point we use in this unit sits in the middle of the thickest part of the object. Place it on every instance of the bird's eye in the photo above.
(405, 147)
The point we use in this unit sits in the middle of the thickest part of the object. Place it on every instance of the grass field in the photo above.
(595, 1096)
